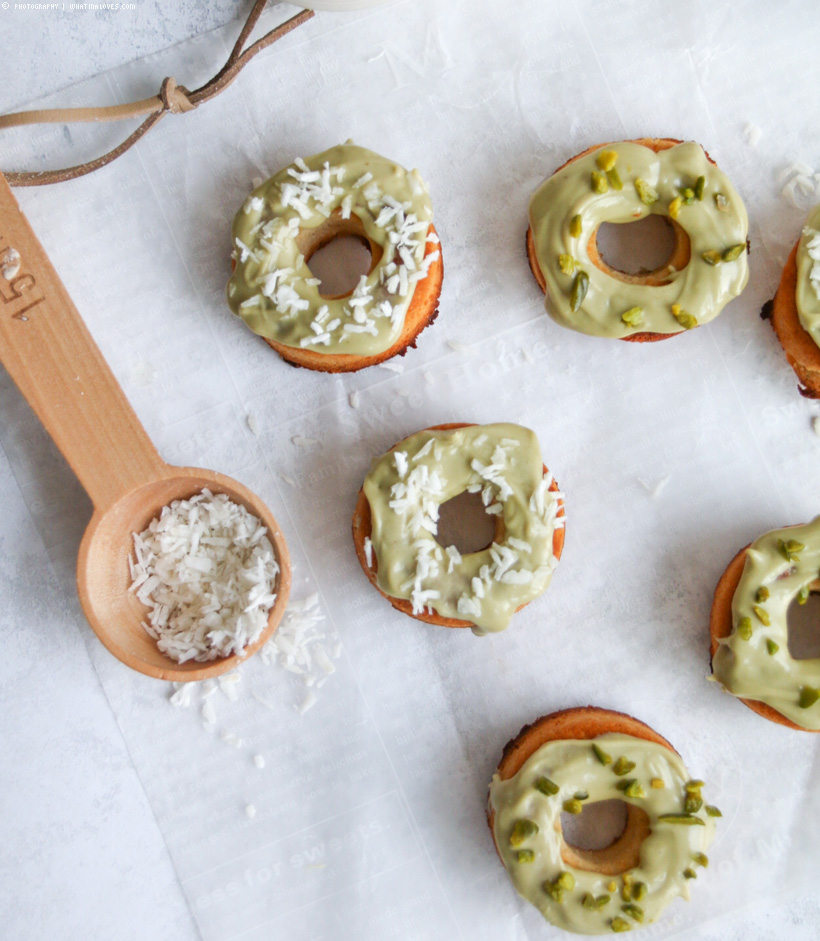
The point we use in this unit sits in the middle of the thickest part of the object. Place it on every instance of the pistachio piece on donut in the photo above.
(578, 889)
(660, 177)
(756, 665)
(345, 192)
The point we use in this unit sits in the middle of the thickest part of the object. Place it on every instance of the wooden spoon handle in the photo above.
(51, 356)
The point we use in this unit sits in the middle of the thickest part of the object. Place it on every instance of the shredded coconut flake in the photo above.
(10, 263)
(206, 571)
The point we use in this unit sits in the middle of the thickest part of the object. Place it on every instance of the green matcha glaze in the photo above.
(405, 489)
(745, 667)
(700, 289)
(807, 294)
(572, 765)
(274, 291)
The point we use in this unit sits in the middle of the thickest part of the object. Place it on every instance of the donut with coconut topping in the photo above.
(345, 191)
(621, 183)
(750, 632)
(795, 312)
(573, 759)
(396, 522)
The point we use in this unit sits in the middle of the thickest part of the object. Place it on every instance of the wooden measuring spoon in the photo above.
(51, 356)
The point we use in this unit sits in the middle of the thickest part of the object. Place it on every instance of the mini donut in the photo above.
(795, 313)
(577, 756)
(749, 627)
(345, 191)
(396, 515)
(623, 182)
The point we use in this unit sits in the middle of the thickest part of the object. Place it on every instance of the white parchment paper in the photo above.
(369, 812)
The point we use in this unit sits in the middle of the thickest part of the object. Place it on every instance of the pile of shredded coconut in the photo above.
(206, 571)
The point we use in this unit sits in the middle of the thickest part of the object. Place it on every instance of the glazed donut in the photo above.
(749, 626)
(795, 311)
(396, 519)
(619, 183)
(567, 760)
(345, 191)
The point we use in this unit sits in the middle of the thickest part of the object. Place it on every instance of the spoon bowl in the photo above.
(103, 574)
(51, 356)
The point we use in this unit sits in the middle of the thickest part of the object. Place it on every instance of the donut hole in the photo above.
(640, 252)
(803, 623)
(605, 837)
(463, 522)
(338, 252)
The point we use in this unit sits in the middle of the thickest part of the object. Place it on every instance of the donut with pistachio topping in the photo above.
(344, 191)
(625, 182)
(395, 525)
(750, 632)
(575, 758)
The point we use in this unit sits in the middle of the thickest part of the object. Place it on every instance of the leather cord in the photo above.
(172, 99)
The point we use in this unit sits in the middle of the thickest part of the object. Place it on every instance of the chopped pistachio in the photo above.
(573, 806)
(762, 615)
(657, 783)
(803, 595)
(619, 924)
(545, 786)
(692, 804)
(612, 887)
(554, 891)
(688, 195)
(687, 820)
(633, 317)
(566, 880)
(638, 891)
(674, 206)
(762, 594)
(623, 766)
(789, 549)
(689, 873)
(701, 859)
(700, 186)
(606, 159)
(712, 257)
(646, 193)
(599, 182)
(601, 755)
(563, 882)
(614, 179)
(808, 696)
(694, 786)
(581, 795)
(721, 202)
(522, 831)
(734, 252)
(771, 647)
(596, 904)
(525, 856)
(566, 263)
(631, 788)
(634, 911)
(580, 286)
(686, 320)
(575, 226)
(744, 628)
(712, 811)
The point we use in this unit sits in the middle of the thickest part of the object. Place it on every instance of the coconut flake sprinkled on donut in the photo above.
(272, 288)
(206, 571)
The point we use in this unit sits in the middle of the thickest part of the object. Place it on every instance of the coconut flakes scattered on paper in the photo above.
(10, 263)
